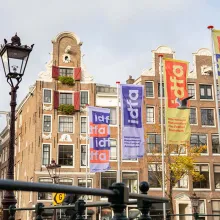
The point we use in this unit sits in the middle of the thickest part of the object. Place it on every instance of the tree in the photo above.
(179, 160)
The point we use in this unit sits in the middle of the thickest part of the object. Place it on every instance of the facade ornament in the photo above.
(86, 77)
(46, 137)
(83, 137)
(65, 138)
(206, 70)
(47, 108)
(46, 75)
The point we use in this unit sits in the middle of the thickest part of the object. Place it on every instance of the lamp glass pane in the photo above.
(5, 62)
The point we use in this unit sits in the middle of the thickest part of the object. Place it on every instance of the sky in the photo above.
(118, 35)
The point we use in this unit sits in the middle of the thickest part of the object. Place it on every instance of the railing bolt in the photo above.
(143, 205)
(119, 201)
(80, 209)
(12, 211)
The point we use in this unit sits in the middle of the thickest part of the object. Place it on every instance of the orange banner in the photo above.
(177, 120)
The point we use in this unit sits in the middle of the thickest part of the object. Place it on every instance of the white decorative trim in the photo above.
(65, 138)
(83, 137)
(85, 76)
(68, 58)
(163, 49)
(67, 50)
(44, 136)
(206, 70)
(66, 33)
(83, 109)
(46, 75)
(47, 108)
(203, 52)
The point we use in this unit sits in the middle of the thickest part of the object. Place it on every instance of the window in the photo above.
(66, 124)
(130, 179)
(218, 92)
(163, 116)
(207, 116)
(45, 195)
(149, 89)
(107, 179)
(198, 140)
(66, 98)
(216, 209)
(84, 97)
(182, 183)
(154, 143)
(68, 182)
(204, 170)
(47, 96)
(154, 175)
(66, 72)
(201, 209)
(113, 149)
(82, 183)
(83, 156)
(83, 125)
(113, 116)
(47, 123)
(150, 115)
(159, 93)
(192, 116)
(191, 90)
(65, 155)
(215, 144)
(46, 154)
(205, 92)
(217, 176)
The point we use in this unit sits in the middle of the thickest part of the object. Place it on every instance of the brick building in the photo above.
(44, 131)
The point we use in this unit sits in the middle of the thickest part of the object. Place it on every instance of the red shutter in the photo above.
(55, 72)
(56, 100)
(77, 101)
(77, 73)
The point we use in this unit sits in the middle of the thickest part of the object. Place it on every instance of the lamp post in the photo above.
(54, 172)
(195, 204)
(14, 58)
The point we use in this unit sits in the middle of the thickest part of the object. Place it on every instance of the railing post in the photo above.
(196, 215)
(119, 201)
(12, 211)
(143, 205)
(39, 208)
(80, 209)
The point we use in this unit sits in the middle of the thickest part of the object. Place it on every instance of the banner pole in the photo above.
(118, 137)
(215, 79)
(87, 138)
(162, 134)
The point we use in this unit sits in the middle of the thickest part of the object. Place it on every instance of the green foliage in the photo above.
(66, 109)
(67, 80)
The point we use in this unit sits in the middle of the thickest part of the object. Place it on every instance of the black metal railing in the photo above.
(118, 198)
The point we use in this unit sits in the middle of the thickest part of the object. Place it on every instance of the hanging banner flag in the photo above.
(216, 40)
(99, 133)
(178, 129)
(132, 124)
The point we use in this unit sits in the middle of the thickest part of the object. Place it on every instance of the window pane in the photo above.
(205, 92)
(66, 98)
(47, 123)
(192, 117)
(130, 179)
(113, 149)
(149, 89)
(68, 182)
(83, 155)
(217, 176)
(47, 96)
(154, 143)
(191, 90)
(66, 155)
(113, 116)
(207, 116)
(45, 195)
(154, 175)
(84, 98)
(83, 125)
(159, 94)
(82, 183)
(66, 72)
(46, 154)
(204, 170)
(107, 179)
(215, 144)
(150, 114)
(66, 124)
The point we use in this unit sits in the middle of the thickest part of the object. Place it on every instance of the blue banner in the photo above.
(99, 135)
(132, 124)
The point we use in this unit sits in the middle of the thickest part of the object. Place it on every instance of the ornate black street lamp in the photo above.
(195, 204)
(54, 171)
(14, 59)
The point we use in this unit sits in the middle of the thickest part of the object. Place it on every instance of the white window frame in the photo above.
(88, 97)
(182, 189)
(150, 106)
(196, 116)
(213, 94)
(51, 96)
(59, 124)
(116, 150)
(191, 83)
(67, 178)
(86, 125)
(146, 90)
(42, 153)
(208, 126)
(51, 124)
(88, 155)
(81, 178)
(132, 171)
(210, 182)
(207, 138)
(214, 134)
(44, 200)
(74, 155)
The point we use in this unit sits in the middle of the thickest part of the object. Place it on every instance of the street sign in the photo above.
(58, 198)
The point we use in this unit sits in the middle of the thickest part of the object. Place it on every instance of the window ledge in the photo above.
(208, 126)
(150, 123)
(216, 154)
(207, 100)
(130, 161)
(150, 97)
(218, 190)
(155, 189)
(63, 167)
(202, 189)
(181, 189)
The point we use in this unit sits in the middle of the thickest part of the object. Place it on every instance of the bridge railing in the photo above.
(118, 198)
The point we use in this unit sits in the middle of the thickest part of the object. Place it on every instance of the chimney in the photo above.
(130, 80)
